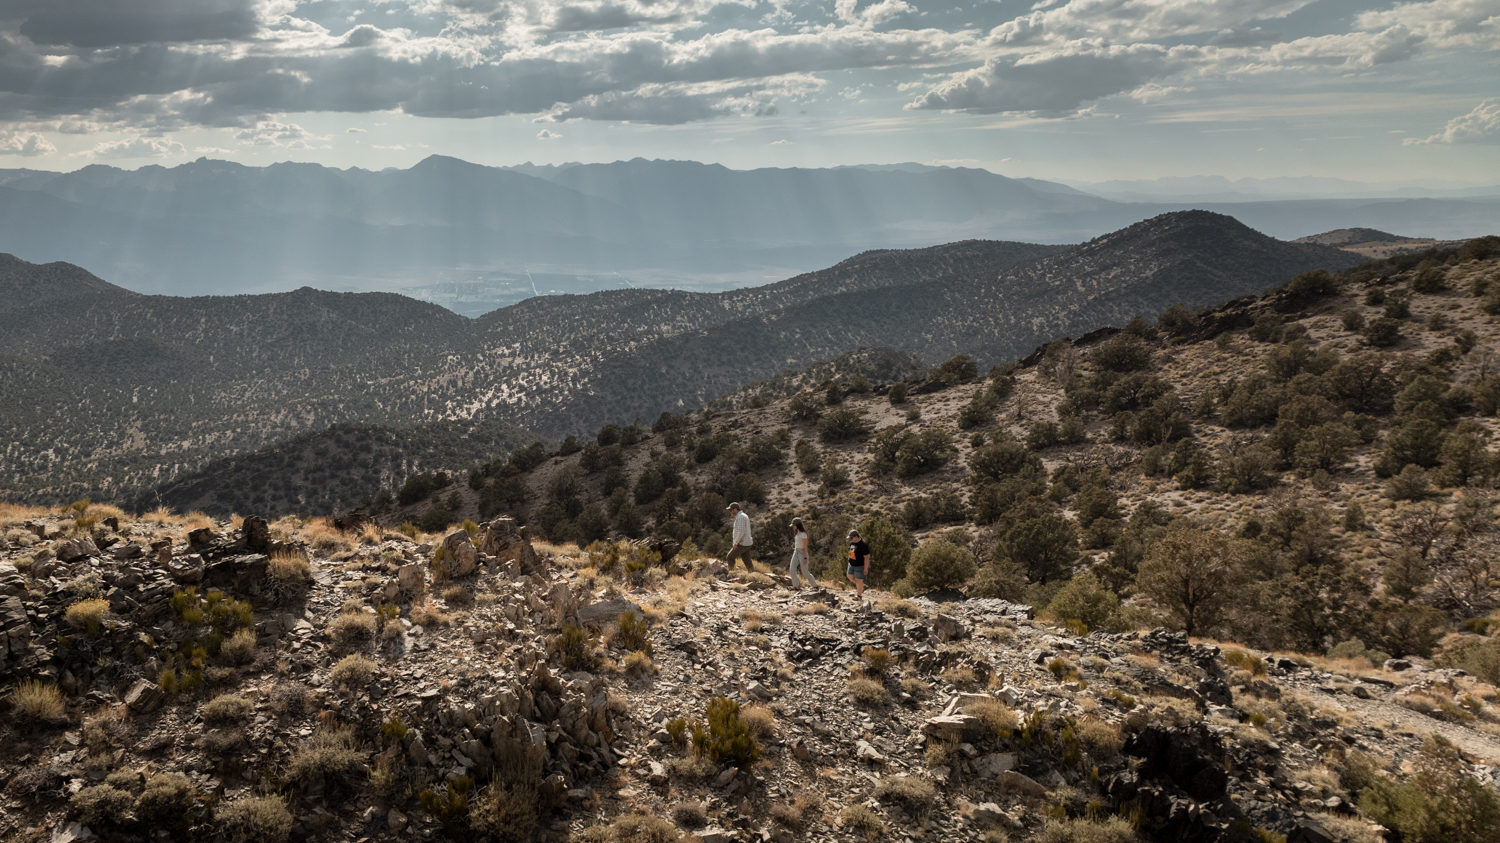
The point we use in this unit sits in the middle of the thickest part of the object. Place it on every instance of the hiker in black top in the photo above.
(859, 563)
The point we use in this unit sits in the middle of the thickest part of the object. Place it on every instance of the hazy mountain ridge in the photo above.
(192, 380)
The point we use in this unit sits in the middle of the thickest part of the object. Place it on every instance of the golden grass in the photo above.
(36, 702)
(89, 615)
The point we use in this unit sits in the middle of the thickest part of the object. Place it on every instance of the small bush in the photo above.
(1383, 332)
(863, 820)
(1084, 830)
(227, 708)
(639, 663)
(329, 754)
(255, 819)
(101, 805)
(677, 727)
(352, 671)
(940, 564)
(634, 633)
(457, 595)
(786, 815)
(167, 797)
(897, 393)
(641, 828)
(289, 569)
(876, 660)
(761, 721)
(1412, 484)
(37, 703)
(996, 716)
(690, 815)
(347, 629)
(240, 648)
(725, 738)
(867, 692)
(1088, 601)
(1100, 739)
(916, 688)
(506, 813)
(843, 424)
(914, 795)
(88, 615)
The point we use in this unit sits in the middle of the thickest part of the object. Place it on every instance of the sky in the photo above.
(1085, 90)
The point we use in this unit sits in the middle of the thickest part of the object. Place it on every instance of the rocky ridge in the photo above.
(977, 722)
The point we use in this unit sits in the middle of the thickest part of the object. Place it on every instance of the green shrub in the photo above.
(575, 648)
(1353, 321)
(890, 550)
(255, 819)
(723, 738)
(1412, 484)
(634, 633)
(1442, 802)
(1088, 601)
(240, 648)
(808, 458)
(1383, 332)
(843, 424)
(939, 564)
(897, 393)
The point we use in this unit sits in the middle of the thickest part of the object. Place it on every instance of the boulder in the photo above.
(128, 551)
(953, 727)
(144, 696)
(949, 628)
(71, 550)
(255, 535)
(242, 575)
(1020, 783)
(606, 610)
(460, 557)
(201, 539)
(505, 541)
(1397, 665)
(412, 578)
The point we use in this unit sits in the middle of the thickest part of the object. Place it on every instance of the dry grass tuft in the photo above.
(352, 671)
(868, 692)
(227, 708)
(88, 615)
(240, 648)
(37, 703)
(346, 629)
(761, 721)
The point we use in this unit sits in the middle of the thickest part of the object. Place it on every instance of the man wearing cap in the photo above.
(859, 563)
(740, 540)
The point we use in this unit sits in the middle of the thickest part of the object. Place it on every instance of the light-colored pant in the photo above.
(798, 557)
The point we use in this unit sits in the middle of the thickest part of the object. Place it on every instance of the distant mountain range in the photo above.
(108, 392)
(214, 227)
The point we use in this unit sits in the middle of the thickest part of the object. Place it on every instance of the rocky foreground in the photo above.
(168, 679)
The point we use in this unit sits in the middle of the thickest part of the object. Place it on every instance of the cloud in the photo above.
(212, 150)
(26, 144)
(276, 133)
(1137, 20)
(1482, 125)
(871, 15)
(674, 104)
(113, 23)
(1053, 83)
(782, 142)
(547, 134)
(134, 148)
(354, 130)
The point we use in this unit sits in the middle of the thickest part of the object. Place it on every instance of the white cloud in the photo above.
(1137, 20)
(873, 14)
(26, 144)
(547, 134)
(134, 148)
(782, 142)
(1482, 125)
(278, 134)
(354, 130)
(212, 150)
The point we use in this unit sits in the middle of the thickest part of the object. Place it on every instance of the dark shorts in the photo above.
(856, 571)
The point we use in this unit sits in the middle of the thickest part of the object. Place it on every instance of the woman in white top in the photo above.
(799, 555)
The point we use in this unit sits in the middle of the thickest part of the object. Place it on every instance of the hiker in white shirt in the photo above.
(799, 555)
(740, 539)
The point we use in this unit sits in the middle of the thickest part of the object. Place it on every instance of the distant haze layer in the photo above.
(476, 238)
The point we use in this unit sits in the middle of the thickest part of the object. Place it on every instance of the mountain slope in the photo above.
(126, 392)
